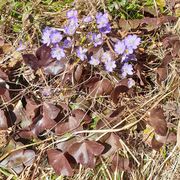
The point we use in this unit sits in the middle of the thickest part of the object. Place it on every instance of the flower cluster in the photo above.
(70, 29)
(59, 41)
(127, 45)
(126, 48)
(103, 22)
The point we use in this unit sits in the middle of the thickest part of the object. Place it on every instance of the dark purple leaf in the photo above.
(43, 54)
(3, 121)
(59, 162)
(85, 152)
(31, 60)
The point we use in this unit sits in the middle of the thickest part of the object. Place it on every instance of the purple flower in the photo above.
(56, 37)
(97, 39)
(70, 29)
(101, 20)
(90, 36)
(81, 53)
(128, 51)
(21, 46)
(131, 82)
(94, 61)
(71, 14)
(46, 91)
(127, 69)
(119, 47)
(127, 58)
(87, 19)
(132, 41)
(110, 65)
(106, 57)
(46, 35)
(106, 29)
(67, 43)
(57, 52)
(73, 22)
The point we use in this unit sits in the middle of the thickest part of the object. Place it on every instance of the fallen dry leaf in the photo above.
(162, 70)
(85, 152)
(3, 121)
(78, 73)
(44, 123)
(63, 146)
(65, 127)
(1, 41)
(59, 162)
(80, 115)
(121, 163)
(101, 87)
(146, 23)
(158, 121)
(42, 58)
(170, 138)
(18, 159)
(50, 110)
(156, 145)
(113, 141)
(138, 70)
(121, 87)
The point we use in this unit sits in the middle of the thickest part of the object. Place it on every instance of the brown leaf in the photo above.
(18, 159)
(64, 145)
(43, 54)
(31, 108)
(55, 67)
(3, 121)
(78, 73)
(85, 152)
(92, 81)
(27, 134)
(162, 70)
(117, 112)
(31, 60)
(102, 87)
(145, 23)
(116, 92)
(138, 69)
(3, 75)
(120, 164)
(169, 40)
(121, 87)
(50, 110)
(176, 49)
(113, 141)
(45, 123)
(127, 25)
(170, 138)
(157, 121)
(42, 58)
(80, 115)
(156, 144)
(25, 115)
(3, 86)
(59, 162)
(65, 127)
(1, 42)
(162, 74)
